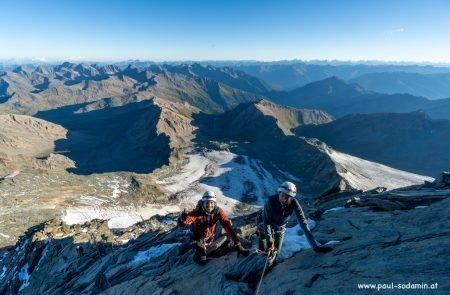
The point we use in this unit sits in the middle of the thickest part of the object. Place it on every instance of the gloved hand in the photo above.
(271, 248)
(322, 249)
(183, 215)
(241, 250)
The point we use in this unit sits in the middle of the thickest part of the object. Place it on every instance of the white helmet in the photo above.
(288, 188)
(209, 196)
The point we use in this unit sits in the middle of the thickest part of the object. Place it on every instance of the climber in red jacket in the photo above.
(203, 220)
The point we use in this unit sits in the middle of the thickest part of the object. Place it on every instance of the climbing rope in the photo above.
(264, 270)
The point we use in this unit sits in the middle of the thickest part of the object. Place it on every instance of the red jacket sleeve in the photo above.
(226, 224)
(192, 217)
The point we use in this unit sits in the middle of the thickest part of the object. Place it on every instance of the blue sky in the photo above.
(226, 30)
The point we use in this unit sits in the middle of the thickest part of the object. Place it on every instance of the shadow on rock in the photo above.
(111, 139)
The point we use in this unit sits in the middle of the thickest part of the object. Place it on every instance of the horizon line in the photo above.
(34, 60)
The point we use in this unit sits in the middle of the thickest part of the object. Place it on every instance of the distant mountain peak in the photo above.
(108, 69)
(41, 69)
(334, 86)
(68, 65)
(131, 67)
(21, 70)
(265, 119)
(323, 94)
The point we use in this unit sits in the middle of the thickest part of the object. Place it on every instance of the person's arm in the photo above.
(226, 224)
(304, 225)
(302, 221)
(266, 215)
(187, 218)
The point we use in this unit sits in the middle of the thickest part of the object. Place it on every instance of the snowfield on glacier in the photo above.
(235, 179)
(366, 175)
(240, 182)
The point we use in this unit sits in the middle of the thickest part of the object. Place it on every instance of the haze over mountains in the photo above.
(412, 79)
(432, 86)
(340, 98)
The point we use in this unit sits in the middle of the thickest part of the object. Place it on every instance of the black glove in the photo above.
(183, 216)
(241, 250)
(322, 249)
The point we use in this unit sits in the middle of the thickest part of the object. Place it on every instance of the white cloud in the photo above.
(392, 32)
(40, 59)
(75, 58)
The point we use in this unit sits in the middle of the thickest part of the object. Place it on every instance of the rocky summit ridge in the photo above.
(378, 237)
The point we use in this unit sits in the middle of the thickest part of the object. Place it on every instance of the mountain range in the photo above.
(410, 141)
(426, 81)
(431, 86)
(340, 98)
(106, 157)
(29, 91)
(131, 137)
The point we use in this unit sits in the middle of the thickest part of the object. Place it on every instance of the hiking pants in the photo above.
(278, 238)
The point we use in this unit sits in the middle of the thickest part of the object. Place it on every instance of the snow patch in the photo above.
(24, 276)
(3, 235)
(43, 255)
(168, 221)
(333, 210)
(10, 175)
(3, 273)
(22, 247)
(235, 180)
(115, 186)
(154, 252)
(332, 242)
(118, 217)
(91, 200)
(295, 240)
(191, 172)
(366, 175)
(311, 224)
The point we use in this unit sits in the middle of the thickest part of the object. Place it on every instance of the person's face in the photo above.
(284, 199)
(209, 206)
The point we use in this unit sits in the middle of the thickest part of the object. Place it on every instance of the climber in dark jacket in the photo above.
(203, 220)
(275, 215)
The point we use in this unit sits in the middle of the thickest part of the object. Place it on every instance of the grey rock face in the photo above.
(397, 245)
